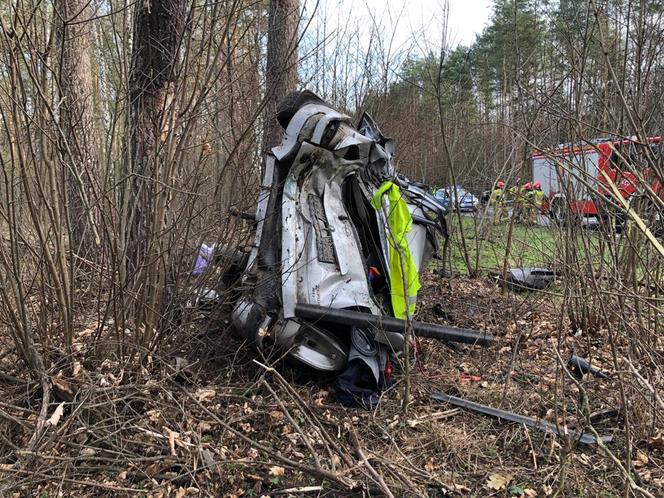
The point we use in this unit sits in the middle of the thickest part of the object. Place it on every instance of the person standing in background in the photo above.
(497, 201)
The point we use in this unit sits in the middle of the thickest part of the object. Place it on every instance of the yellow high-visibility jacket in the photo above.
(400, 223)
(497, 196)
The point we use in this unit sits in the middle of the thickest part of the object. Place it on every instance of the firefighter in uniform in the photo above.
(516, 194)
(528, 204)
(513, 191)
(538, 200)
(497, 201)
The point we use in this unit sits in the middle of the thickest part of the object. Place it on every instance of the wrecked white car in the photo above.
(332, 276)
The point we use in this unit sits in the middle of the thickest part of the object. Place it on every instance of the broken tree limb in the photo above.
(516, 418)
(321, 472)
(373, 472)
(646, 384)
(313, 312)
(633, 214)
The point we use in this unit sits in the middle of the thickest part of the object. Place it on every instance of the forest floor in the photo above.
(209, 420)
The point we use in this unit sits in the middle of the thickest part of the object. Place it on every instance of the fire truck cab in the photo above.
(573, 183)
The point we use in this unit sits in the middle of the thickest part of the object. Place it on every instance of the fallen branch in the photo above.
(304, 489)
(646, 384)
(68, 480)
(318, 471)
(625, 472)
(40, 426)
(305, 438)
(309, 415)
(360, 454)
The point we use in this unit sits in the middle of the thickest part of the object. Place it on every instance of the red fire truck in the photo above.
(572, 181)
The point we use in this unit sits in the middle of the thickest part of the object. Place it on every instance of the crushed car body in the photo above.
(339, 236)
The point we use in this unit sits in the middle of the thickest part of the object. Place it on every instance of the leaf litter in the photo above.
(221, 433)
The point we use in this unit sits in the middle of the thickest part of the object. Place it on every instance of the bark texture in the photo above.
(281, 65)
(157, 36)
(78, 142)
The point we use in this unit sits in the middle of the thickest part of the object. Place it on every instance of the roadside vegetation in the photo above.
(487, 244)
(133, 132)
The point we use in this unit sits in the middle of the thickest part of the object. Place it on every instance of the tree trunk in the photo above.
(158, 29)
(78, 144)
(281, 65)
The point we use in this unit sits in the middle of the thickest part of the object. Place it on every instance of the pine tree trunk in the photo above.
(281, 66)
(158, 29)
(78, 144)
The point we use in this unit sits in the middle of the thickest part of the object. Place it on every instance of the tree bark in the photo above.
(281, 65)
(78, 144)
(157, 35)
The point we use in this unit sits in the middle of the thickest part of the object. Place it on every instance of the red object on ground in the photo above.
(388, 370)
(465, 378)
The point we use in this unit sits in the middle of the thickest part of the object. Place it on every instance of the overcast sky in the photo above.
(413, 22)
(347, 31)
(466, 18)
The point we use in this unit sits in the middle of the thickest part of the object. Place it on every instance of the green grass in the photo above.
(547, 247)
(487, 244)
(531, 246)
